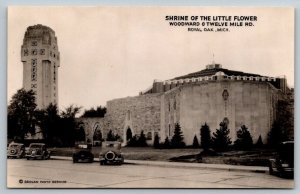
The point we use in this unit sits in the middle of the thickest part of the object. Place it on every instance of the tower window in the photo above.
(34, 43)
(33, 86)
(33, 70)
(174, 104)
(34, 52)
(42, 51)
(25, 52)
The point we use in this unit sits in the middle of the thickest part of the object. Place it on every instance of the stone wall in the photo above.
(139, 113)
(91, 124)
(191, 105)
(249, 103)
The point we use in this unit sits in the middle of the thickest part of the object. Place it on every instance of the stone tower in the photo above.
(40, 57)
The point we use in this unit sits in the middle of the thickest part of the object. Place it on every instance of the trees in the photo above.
(110, 136)
(21, 111)
(68, 125)
(177, 139)
(205, 137)
(48, 120)
(133, 142)
(195, 142)
(259, 143)
(142, 140)
(244, 139)
(166, 143)
(136, 141)
(156, 141)
(282, 125)
(220, 139)
(80, 134)
(98, 112)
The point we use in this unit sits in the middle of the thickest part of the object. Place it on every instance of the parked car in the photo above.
(83, 153)
(283, 164)
(111, 153)
(37, 151)
(15, 150)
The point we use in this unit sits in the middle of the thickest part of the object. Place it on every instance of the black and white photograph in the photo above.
(150, 97)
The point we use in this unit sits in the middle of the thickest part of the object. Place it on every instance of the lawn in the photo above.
(249, 158)
(136, 153)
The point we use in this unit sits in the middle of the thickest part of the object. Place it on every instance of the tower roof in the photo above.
(40, 32)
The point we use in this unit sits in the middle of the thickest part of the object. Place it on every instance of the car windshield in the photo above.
(14, 146)
(36, 146)
(83, 146)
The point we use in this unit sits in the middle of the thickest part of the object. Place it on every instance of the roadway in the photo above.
(22, 173)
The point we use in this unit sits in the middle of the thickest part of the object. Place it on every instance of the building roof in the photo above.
(212, 70)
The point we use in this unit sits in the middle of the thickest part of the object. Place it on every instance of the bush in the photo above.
(110, 136)
(142, 140)
(195, 142)
(259, 143)
(277, 134)
(244, 139)
(138, 141)
(205, 137)
(177, 139)
(156, 141)
(133, 142)
(220, 139)
(166, 143)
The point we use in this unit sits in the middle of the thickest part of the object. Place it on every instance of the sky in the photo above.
(115, 52)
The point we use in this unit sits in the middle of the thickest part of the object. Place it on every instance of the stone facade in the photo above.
(212, 97)
(248, 103)
(137, 113)
(41, 59)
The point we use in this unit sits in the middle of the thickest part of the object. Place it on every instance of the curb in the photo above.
(256, 169)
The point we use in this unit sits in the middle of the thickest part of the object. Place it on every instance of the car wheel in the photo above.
(75, 160)
(27, 158)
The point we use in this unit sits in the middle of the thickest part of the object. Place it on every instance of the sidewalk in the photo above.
(259, 169)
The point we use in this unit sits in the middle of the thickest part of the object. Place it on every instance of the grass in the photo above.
(256, 157)
(135, 153)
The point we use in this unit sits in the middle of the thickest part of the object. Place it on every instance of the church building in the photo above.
(210, 96)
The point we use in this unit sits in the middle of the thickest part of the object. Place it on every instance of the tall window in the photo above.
(33, 69)
(128, 115)
(174, 104)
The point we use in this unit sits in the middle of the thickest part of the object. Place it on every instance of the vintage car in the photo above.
(16, 150)
(37, 151)
(111, 153)
(283, 164)
(83, 153)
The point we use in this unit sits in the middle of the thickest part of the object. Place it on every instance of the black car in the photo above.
(16, 150)
(83, 153)
(111, 153)
(283, 164)
(37, 151)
